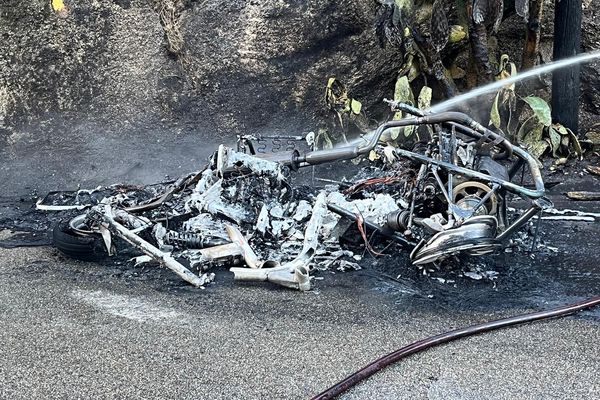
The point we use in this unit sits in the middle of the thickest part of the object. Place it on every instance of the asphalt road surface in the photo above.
(82, 330)
(109, 330)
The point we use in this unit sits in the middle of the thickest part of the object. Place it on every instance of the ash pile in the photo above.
(446, 196)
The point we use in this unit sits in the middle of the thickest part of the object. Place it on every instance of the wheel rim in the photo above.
(79, 226)
(471, 192)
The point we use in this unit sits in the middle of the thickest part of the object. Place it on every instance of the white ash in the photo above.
(303, 210)
(205, 225)
(375, 209)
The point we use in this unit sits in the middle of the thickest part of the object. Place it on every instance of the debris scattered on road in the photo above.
(592, 169)
(478, 275)
(584, 196)
(567, 215)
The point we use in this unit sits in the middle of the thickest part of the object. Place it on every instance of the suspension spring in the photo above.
(190, 240)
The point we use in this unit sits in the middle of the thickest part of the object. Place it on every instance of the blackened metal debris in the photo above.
(445, 196)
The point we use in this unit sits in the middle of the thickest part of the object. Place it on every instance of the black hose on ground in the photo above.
(425, 344)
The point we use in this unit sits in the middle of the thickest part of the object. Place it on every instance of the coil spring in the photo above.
(190, 240)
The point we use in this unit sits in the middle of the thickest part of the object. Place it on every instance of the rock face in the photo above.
(265, 58)
(102, 91)
(242, 64)
(99, 82)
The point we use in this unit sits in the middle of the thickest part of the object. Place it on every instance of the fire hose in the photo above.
(447, 337)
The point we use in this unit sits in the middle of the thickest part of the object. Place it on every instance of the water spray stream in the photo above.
(450, 103)
(446, 105)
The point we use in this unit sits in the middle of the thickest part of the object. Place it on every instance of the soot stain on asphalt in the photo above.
(524, 280)
(541, 279)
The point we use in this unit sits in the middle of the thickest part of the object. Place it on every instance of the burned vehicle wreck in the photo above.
(446, 196)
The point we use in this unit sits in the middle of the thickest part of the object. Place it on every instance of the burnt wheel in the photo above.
(89, 247)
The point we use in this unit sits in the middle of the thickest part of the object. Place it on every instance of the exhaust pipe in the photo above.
(462, 121)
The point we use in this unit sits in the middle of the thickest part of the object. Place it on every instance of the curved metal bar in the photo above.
(350, 152)
(513, 187)
(407, 108)
(464, 119)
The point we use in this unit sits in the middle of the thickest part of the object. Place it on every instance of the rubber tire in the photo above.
(86, 248)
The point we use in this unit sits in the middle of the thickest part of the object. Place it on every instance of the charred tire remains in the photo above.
(75, 245)
(445, 196)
